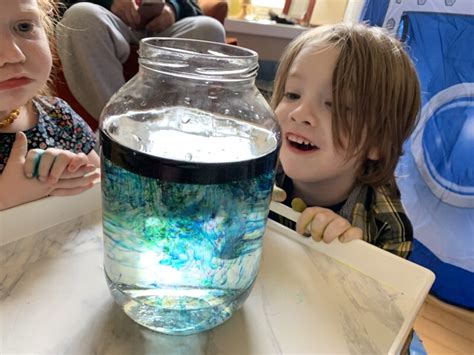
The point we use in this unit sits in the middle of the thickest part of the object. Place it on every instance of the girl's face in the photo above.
(25, 57)
(308, 153)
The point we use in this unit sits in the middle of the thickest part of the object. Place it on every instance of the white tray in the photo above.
(308, 298)
(410, 281)
(27, 219)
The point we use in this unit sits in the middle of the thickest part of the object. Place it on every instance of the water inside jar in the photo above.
(190, 135)
(182, 257)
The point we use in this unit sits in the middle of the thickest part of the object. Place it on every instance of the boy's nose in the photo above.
(10, 51)
(303, 114)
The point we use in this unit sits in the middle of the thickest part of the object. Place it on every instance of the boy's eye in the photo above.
(328, 104)
(25, 27)
(291, 96)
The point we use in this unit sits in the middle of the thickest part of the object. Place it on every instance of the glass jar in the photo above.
(189, 148)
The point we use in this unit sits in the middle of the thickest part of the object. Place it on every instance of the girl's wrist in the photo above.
(5, 202)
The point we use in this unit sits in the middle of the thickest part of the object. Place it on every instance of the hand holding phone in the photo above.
(148, 10)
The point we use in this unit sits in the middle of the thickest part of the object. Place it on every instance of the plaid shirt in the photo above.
(378, 213)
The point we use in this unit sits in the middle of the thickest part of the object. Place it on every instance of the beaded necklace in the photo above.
(10, 118)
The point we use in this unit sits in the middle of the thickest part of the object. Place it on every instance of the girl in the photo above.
(63, 160)
(346, 97)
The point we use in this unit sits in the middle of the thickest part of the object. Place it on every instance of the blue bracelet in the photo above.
(37, 163)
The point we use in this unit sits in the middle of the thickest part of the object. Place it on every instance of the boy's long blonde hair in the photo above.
(377, 80)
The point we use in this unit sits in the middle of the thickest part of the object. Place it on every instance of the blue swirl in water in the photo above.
(215, 229)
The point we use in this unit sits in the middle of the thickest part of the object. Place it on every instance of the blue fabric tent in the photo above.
(436, 174)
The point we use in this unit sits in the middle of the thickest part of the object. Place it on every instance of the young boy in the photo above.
(346, 96)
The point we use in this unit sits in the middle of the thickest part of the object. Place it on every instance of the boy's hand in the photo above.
(278, 194)
(326, 225)
(16, 188)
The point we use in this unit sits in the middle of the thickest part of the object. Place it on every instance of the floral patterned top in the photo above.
(58, 127)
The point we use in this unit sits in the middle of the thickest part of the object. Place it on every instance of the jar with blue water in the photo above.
(189, 149)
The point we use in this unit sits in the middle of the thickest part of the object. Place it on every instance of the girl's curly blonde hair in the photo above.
(49, 16)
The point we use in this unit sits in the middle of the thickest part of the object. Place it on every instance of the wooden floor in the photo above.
(445, 329)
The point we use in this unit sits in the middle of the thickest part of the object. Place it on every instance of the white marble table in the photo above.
(54, 300)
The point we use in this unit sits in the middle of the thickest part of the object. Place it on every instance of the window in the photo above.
(257, 10)
(274, 4)
(261, 8)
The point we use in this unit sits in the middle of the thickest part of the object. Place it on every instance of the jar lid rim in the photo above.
(246, 52)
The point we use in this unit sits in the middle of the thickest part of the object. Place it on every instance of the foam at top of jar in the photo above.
(190, 135)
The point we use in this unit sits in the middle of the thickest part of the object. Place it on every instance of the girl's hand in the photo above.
(53, 164)
(326, 225)
(16, 188)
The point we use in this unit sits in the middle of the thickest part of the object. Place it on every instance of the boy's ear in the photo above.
(374, 153)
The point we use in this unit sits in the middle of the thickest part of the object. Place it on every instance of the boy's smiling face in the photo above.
(25, 57)
(308, 153)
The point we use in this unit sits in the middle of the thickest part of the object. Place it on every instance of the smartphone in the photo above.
(149, 9)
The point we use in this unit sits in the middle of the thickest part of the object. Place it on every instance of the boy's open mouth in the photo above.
(300, 143)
